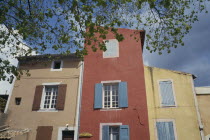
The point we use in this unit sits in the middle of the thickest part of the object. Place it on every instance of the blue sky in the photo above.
(193, 58)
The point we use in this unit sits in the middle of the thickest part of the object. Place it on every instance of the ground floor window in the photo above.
(67, 135)
(114, 131)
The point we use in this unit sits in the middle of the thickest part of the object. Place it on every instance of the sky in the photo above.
(192, 58)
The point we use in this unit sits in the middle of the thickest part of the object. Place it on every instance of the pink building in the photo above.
(114, 103)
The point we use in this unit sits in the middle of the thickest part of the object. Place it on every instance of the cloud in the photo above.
(193, 58)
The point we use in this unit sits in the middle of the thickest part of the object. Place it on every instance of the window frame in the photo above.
(118, 49)
(109, 124)
(165, 120)
(42, 109)
(64, 128)
(53, 64)
(207, 137)
(160, 96)
(110, 82)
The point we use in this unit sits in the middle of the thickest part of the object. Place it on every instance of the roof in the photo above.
(202, 90)
(178, 72)
(47, 57)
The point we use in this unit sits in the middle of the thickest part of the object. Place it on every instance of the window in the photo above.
(57, 65)
(114, 132)
(3, 102)
(166, 93)
(165, 130)
(111, 95)
(67, 135)
(11, 79)
(17, 100)
(50, 97)
(112, 47)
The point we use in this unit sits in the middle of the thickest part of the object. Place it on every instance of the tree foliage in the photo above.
(60, 25)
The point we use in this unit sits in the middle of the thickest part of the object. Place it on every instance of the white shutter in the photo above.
(112, 47)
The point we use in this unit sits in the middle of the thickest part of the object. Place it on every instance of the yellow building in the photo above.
(173, 114)
(203, 97)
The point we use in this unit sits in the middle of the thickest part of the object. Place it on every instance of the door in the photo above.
(68, 135)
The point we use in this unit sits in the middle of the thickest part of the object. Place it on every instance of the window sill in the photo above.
(174, 106)
(56, 69)
(47, 110)
(110, 109)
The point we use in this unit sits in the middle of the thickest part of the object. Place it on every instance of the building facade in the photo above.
(46, 103)
(171, 105)
(203, 97)
(114, 103)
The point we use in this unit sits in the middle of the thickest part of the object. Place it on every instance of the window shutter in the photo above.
(165, 131)
(105, 132)
(112, 47)
(60, 103)
(37, 98)
(124, 132)
(123, 96)
(44, 133)
(98, 96)
(167, 93)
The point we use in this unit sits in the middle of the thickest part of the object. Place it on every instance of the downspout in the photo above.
(76, 137)
(198, 113)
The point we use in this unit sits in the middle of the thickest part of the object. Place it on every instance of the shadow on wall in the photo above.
(3, 118)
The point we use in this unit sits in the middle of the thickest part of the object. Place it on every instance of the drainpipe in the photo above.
(198, 113)
(76, 137)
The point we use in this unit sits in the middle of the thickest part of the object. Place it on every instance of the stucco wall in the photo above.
(184, 114)
(204, 108)
(22, 116)
(128, 67)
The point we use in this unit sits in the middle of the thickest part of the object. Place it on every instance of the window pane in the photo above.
(51, 93)
(110, 95)
(57, 65)
(114, 132)
(167, 93)
(165, 131)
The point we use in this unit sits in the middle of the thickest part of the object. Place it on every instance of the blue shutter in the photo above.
(105, 132)
(167, 93)
(124, 132)
(98, 96)
(165, 131)
(123, 95)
